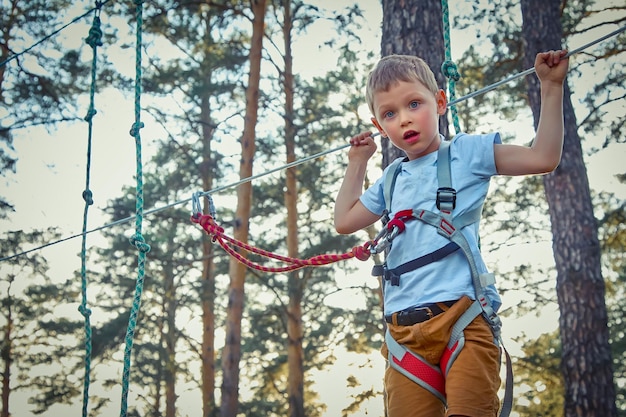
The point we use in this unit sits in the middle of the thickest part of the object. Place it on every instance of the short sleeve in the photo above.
(477, 151)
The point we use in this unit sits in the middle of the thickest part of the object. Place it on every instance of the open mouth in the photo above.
(411, 136)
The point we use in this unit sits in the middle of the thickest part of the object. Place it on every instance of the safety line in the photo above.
(300, 161)
(99, 5)
(531, 70)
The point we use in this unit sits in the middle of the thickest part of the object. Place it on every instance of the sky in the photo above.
(47, 191)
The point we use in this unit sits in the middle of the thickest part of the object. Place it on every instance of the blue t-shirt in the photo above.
(472, 165)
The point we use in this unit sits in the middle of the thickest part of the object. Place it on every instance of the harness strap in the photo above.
(446, 195)
(394, 274)
(416, 368)
(389, 185)
(457, 338)
(447, 229)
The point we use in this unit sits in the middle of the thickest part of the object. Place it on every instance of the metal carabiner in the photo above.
(197, 207)
(384, 238)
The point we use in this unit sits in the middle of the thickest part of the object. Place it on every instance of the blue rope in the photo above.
(137, 240)
(448, 67)
(93, 40)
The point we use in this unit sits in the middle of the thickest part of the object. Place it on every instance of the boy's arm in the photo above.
(544, 154)
(350, 214)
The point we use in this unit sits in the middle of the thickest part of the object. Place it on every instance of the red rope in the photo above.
(217, 234)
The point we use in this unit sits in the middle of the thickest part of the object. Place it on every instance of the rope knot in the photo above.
(88, 197)
(450, 70)
(90, 114)
(362, 253)
(140, 243)
(95, 34)
(86, 312)
(134, 130)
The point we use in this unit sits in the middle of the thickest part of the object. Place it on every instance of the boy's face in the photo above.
(408, 114)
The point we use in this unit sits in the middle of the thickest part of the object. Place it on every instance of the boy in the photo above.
(406, 103)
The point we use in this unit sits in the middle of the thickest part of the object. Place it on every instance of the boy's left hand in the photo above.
(551, 66)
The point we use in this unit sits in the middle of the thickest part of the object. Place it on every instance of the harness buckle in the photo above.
(446, 198)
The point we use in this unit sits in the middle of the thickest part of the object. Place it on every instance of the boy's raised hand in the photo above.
(363, 147)
(551, 66)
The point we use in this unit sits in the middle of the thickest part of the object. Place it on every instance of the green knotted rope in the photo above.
(448, 67)
(94, 40)
(137, 240)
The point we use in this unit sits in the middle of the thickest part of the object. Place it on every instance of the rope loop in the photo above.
(134, 130)
(94, 39)
(450, 70)
(138, 241)
(88, 197)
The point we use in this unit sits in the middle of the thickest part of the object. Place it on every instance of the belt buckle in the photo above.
(415, 314)
(425, 309)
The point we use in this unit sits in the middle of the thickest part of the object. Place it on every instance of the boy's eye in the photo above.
(388, 114)
(414, 104)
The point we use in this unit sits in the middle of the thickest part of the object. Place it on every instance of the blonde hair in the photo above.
(394, 68)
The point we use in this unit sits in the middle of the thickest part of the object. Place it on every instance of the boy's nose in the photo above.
(405, 118)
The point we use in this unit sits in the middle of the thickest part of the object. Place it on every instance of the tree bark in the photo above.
(295, 354)
(207, 294)
(237, 271)
(414, 27)
(586, 358)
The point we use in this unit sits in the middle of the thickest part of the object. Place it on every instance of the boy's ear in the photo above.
(442, 102)
(379, 127)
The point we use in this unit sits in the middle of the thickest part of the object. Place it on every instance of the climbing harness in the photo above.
(402, 359)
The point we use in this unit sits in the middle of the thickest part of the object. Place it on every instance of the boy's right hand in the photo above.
(363, 147)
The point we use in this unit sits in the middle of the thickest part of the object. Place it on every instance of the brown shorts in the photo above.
(473, 380)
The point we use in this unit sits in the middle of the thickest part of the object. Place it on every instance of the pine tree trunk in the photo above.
(586, 361)
(414, 27)
(295, 354)
(237, 271)
(207, 294)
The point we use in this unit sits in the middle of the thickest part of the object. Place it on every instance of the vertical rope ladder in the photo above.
(94, 39)
(137, 239)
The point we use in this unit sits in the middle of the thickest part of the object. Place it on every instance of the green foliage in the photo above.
(538, 374)
(36, 338)
(37, 87)
(613, 240)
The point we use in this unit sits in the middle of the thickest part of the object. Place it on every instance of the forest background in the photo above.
(193, 55)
